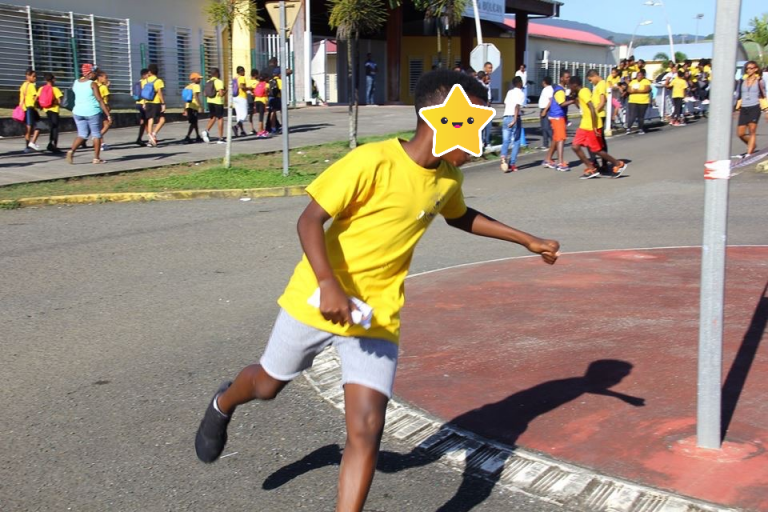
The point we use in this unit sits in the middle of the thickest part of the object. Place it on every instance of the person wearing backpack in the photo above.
(240, 102)
(191, 97)
(274, 92)
(215, 93)
(49, 100)
(252, 83)
(88, 110)
(260, 98)
(142, 115)
(27, 101)
(154, 103)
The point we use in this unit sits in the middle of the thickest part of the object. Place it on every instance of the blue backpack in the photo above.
(235, 87)
(187, 95)
(148, 91)
(136, 91)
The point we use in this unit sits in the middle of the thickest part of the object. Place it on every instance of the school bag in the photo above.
(260, 91)
(69, 99)
(136, 91)
(210, 88)
(274, 90)
(187, 95)
(148, 91)
(45, 96)
(235, 87)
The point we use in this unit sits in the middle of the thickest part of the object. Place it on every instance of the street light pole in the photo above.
(651, 3)
(698, 18)
(632, 41)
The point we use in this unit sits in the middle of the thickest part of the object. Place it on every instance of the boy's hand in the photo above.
(549, 249)
(335, 306)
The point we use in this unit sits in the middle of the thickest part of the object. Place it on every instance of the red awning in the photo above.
(563, 34)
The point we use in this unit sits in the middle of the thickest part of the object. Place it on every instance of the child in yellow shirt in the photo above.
(103, 80)
(52, 113)
(192, 108)
(27, 100)
(382, 197)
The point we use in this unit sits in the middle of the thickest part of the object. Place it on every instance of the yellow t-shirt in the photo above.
(27, 95)
(241, 85)
(639, 99)
(600, 90)
(104, 91)
(196, 94)
(381, 203)
(159, 84)
(695, 73)
(218, 85)
(613, 81)
(56, 107)
(585, 99)
(262, 99)
(679, 85)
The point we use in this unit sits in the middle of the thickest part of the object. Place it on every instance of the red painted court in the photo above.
(593, 362)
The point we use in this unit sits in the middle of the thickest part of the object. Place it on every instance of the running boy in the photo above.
(381, 197)
(589, 134)
(27, 100)
(154, 107)
(52, 113)
(142, 114)
(192, 108)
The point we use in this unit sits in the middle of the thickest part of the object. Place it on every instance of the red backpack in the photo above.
(45, 96)
(260, 91)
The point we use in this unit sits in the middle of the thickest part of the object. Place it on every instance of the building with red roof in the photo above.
(547, 42)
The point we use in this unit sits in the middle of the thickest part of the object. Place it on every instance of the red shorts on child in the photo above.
(588, 139)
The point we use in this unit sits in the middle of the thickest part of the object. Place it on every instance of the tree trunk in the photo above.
(357, 85)
(228, 90)
(351, 94)
(439, 47)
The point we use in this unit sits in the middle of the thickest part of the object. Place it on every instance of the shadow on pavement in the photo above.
(308, 127)
(737, 375)
(504, 421)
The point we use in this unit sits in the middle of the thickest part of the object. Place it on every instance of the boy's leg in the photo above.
(252, 383)
(518, 141)
(580, 153)
(365, 413)
(368, 368)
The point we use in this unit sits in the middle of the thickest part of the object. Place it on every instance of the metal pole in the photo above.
(708, 428)
(308, 47)
(608, 110)
(130, 56)
(477, 23)
(93, 39)
(31, 39)
(203, 70)
(283, 78)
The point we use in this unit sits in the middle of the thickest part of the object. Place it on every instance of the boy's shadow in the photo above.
(502, 421)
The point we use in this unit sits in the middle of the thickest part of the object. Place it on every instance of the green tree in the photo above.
(664, 58)
(227, 13)
(351, 19)
(758, 32)
(446, 14)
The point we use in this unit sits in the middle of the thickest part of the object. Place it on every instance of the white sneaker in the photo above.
(205, 137)
(104, 147)
(34, 146)
(221, 141)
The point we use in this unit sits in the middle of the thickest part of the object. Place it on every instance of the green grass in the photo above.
(247, 171)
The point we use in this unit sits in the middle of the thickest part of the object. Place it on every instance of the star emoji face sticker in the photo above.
(457, 123)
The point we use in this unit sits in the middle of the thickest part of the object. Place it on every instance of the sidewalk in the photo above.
(308, 126)
(593, 362)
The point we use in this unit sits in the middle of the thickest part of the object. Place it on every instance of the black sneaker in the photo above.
(212, 433)
(141, 143)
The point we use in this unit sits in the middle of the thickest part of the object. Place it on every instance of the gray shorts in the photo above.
(292, 347)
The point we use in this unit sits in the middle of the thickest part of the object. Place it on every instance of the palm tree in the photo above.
(679, 57)
(446, 14)
(351, 18)
(226, 13)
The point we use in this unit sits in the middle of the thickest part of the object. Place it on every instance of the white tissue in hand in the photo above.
(362, 316)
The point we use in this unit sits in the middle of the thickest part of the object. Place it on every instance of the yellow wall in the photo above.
(425, 48)
(242, 38)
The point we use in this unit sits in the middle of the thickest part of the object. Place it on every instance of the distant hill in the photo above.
(617, 37)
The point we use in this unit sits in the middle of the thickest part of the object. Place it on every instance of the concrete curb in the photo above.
(176, 195)
(510, 468)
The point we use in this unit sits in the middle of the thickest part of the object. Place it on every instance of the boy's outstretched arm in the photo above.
(334, 303)
(631, 400)
(480, 224)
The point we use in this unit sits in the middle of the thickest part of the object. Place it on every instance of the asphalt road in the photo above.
(118, 322)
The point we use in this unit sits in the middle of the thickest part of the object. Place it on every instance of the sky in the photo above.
(624, 15)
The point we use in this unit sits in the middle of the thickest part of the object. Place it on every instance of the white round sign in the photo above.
(483, 53)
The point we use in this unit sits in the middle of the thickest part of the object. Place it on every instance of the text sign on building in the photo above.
(489, 10)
